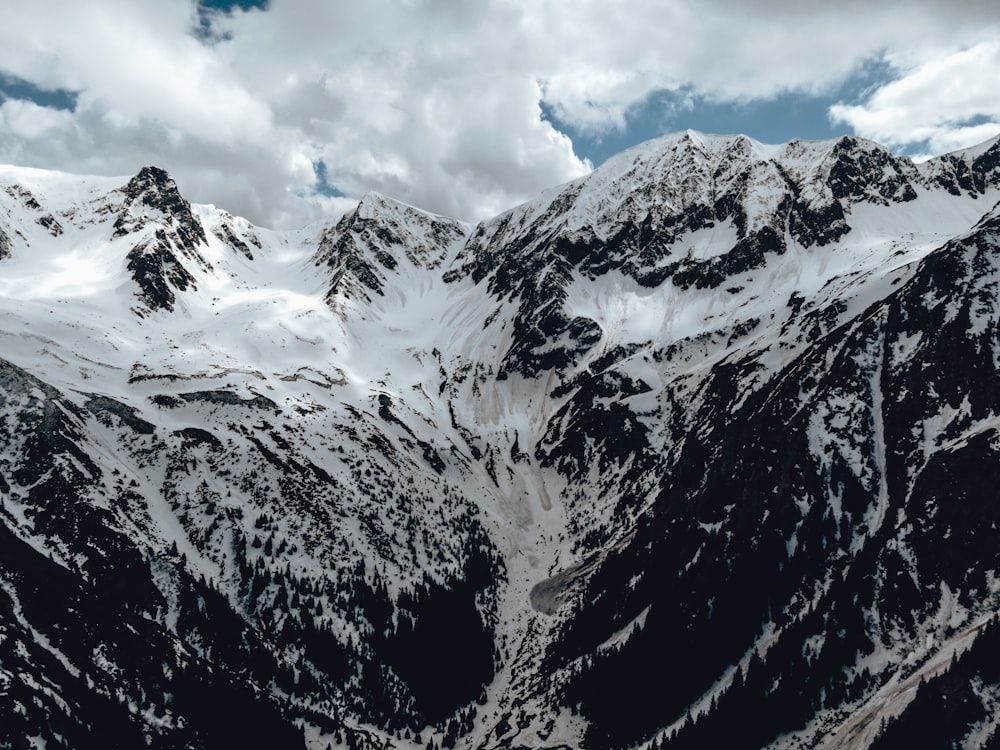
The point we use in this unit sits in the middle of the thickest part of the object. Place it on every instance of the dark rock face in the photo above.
(862, 171)
(596, 418)
(227, 235)
(159, 273)
(961, 174)
(49, 222)
(986, 167)
(4, 245)
(108, 410)
(372, 240)
(160, 264)
(957, 177)
(154, 189)
(338, 251)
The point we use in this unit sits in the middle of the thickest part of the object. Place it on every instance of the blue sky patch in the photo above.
(228, 5)
(208, 7)
(323, 186)
(17, 88)
(777, 120)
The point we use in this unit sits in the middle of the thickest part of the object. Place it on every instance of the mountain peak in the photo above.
(156, 262)
(152, 196)
(150, 178)
(367, 245)
(374, 203)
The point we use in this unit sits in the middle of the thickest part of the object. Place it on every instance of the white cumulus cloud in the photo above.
(441, 103)
(949, 102)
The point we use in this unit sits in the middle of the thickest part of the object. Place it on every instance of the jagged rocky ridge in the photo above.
(695, 451)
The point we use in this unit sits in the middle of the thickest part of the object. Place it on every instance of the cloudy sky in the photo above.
(287, 111)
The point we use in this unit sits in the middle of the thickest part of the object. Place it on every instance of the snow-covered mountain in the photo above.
(699, 450)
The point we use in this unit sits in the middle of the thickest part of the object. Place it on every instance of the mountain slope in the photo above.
(718, 417)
